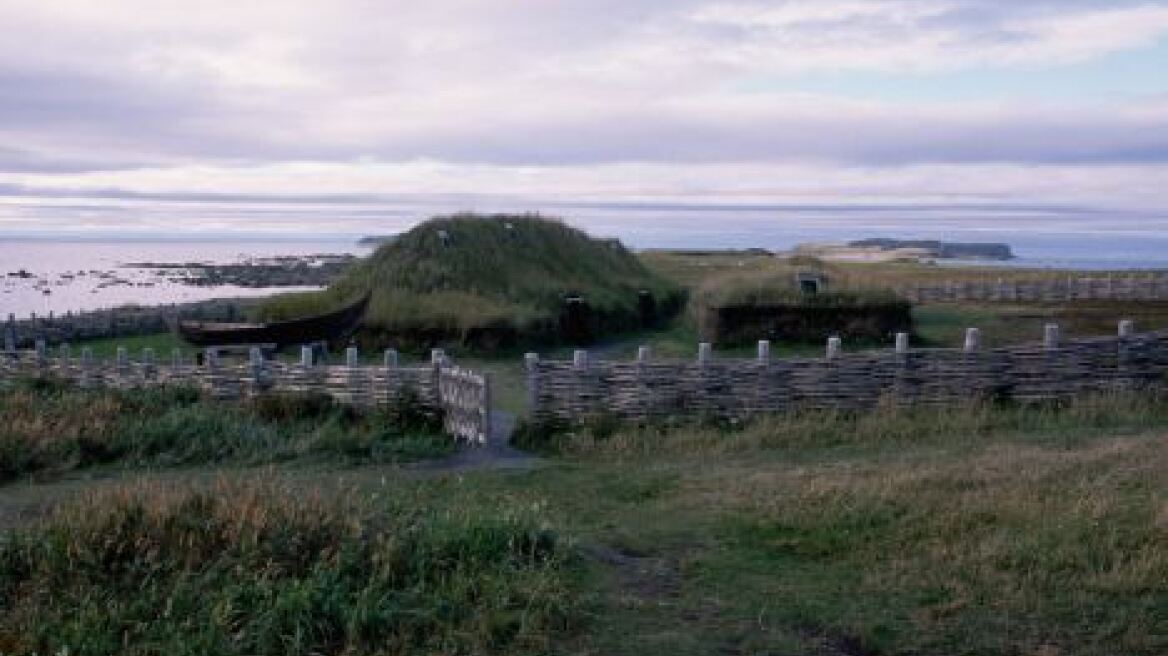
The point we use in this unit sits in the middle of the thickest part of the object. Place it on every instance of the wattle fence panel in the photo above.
(645, 389)
(462, 397)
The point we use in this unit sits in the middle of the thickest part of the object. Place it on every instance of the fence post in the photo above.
(306, 356)
(972, 340)
(86, 366)
(580, 367)
(531, 365)
(900, 377)
(10, 334)
(437, 360)
(704, 352)
(1050, 336)
(764, 352)
(485, 409)
(255, 362)
(211, 362)
(1123, 360)
(121, 365)
(147, 363)
(834, 346)
(64, 358)
(389, 362)
(644, 353)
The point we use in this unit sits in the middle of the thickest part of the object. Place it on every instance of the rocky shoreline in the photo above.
(317, 270)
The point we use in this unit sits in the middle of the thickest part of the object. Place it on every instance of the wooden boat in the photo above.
(307, 330)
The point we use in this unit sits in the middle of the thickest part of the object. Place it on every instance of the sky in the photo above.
(189, 117)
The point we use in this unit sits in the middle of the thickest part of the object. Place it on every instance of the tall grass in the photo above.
(256, 568)
(46, 429)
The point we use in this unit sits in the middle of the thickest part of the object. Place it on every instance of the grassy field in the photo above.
(976, 531)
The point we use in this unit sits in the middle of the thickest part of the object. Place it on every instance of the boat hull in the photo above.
(332, 326)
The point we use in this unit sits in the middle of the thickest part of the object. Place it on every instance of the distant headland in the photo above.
(882, 249)
(376, 240)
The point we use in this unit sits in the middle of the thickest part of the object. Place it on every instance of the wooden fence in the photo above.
(737, 388)
(116, 322)
(462, 397)
(1133, 287)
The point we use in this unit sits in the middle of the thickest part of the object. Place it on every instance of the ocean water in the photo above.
(69, 268)
(78, 275)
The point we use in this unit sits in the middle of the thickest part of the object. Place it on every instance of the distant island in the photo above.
(882, 249)
(376, 240)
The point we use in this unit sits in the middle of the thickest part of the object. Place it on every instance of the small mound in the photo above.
(496, 281)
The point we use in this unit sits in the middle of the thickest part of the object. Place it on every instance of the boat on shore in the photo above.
(331, 326)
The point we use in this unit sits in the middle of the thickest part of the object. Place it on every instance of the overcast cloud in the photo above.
(695, 99)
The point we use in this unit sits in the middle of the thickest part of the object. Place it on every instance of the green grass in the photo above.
(162, 343)
(974, 531)
(247, 568)
(967, 531)
(48, 430)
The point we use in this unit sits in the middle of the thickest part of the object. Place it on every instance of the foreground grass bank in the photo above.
(973, 531)
(48, 428)
(259, 569)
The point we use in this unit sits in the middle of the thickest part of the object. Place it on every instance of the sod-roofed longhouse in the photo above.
(738, 310)
(485, 282)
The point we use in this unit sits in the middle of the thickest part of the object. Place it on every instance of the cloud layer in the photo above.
(627, 98)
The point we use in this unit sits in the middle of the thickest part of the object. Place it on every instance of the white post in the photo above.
(351, 357)
(86, 365)
(437, 357)
(764, 351)
(580, 359)
(1127, 328)
(704, 352)
(902, 343)
(834, 346)
(390, 359)
(1050, 336)
(306, 356)
(255, 358)
(972, 340)
(644, 353)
